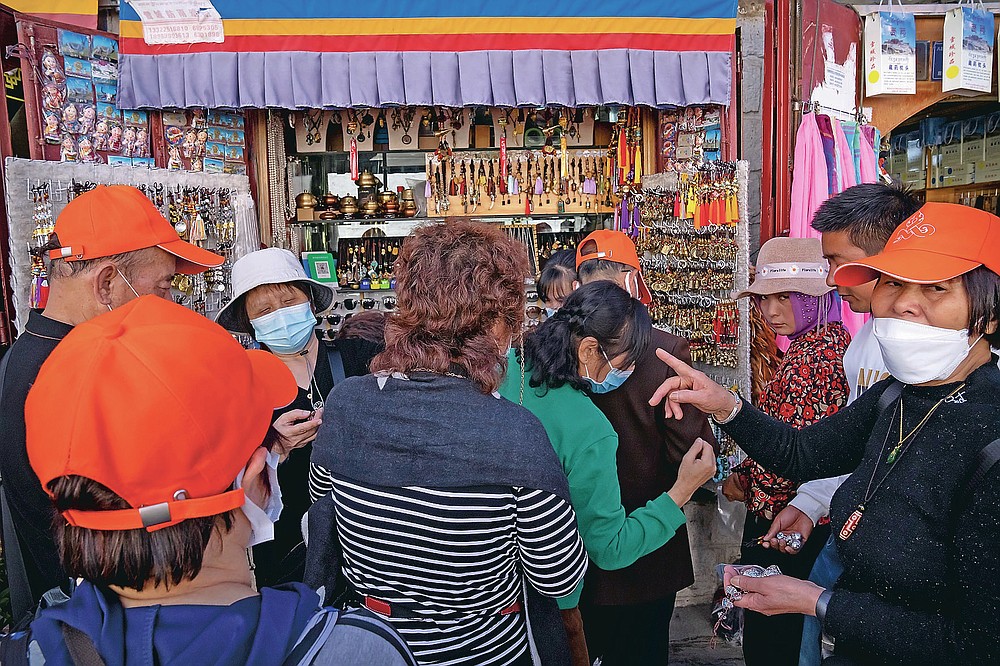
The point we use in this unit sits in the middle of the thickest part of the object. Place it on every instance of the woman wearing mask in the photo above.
(557, 280)
(590, 346)
(449, 512)
(791, 293)
(916, 523)
(275, 302)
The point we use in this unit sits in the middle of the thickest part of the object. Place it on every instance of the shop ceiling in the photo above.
(321, 54)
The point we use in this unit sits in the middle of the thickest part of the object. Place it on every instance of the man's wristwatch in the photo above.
(732, 414)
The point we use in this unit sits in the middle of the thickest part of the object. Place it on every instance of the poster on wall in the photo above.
(830, 57)
(890, 54)
(968, 51)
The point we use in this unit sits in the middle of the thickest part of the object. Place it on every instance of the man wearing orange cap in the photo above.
(158, 534)
(627, 612)
(111, 245)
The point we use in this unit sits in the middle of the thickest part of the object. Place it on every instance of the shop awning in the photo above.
(349, 53)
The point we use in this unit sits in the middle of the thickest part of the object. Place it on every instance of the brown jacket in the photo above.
(650, 448)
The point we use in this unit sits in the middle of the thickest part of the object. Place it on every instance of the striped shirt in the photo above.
(452, 559)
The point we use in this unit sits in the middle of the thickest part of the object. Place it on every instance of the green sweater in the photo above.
(587, 445)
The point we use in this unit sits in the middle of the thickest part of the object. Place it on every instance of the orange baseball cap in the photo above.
(939, 242)
(114, 219)
(617, 247)
(158, 404)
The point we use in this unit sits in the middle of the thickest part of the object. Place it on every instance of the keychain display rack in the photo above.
(695, 246)
(214, 211)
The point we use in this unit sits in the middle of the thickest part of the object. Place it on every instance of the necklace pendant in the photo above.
(893, 455)
(852, 523)
(317, 404)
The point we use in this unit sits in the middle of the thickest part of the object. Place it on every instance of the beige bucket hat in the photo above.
(790, 264)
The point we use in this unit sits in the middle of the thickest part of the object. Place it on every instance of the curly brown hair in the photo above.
(460, 286)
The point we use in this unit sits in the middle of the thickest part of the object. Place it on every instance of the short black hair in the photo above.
(600, 269)
(869, 213)
(601, 310)
(559, 269)
(983, 287)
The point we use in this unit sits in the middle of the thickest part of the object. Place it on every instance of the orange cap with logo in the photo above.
(617, 247)
(939, 242)
(158, 404)
(114, 219)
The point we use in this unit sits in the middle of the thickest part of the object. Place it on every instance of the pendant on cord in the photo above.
(852, 523)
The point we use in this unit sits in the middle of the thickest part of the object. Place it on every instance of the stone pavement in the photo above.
(691, 638)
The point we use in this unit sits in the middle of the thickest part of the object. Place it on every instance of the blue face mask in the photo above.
(285, 331)
(614, 379)
(549, 312)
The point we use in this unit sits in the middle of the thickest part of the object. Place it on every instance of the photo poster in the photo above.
(78, 88)
(969, 39)
(829, 59)
(890, 54)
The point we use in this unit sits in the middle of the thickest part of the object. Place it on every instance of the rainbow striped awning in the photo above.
(82, 13)
(344, 53)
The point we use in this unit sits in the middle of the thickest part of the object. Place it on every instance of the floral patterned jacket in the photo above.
(808, 385)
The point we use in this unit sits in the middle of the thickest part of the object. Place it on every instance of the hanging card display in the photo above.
(968, 51)
(890, 54)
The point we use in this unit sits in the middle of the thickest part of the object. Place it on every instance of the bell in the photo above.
(348, 206)
(407, 195)
(331, 201)
(367, 179)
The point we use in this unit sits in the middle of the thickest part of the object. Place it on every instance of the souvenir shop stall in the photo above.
(79, 135)
(537, 116)
(214, 211)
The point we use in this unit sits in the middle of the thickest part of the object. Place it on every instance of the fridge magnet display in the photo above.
(104, 48)
(73, 44)
(79, 90)
(190, 143)
(118, 160)
(177, 119)
(237, 168)
(101, 132)
(215, 150)
(88, 118)
(51, 131)
(52, 70)
(128, 141)
(104, 72)
(114, 136)
(143, 161)
(217, 134)
(234, 153)
(68, 149)
(106, 92)
(71, 119)
(134, 118)
(196, 164)
(107, 111)
(201, 141)
(174, 162)
(141, 142)
(82, 69)
(173, 135)
(236, 138)
(53, 96)
(213, 165)
(86, 150)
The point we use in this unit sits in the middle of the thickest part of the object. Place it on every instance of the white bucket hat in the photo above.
(790, 264)
(270, 266)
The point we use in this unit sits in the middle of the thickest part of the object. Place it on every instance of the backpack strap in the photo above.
(363, 619)
(889, 396)
(987, 458)
(336, 365)
(22, 602)
(313, 637)
(14, 648)
(81, 649)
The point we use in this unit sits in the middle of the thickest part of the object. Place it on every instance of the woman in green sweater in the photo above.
(590, 346)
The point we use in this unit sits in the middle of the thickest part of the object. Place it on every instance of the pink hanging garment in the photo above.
(809, 179)
(869, 160)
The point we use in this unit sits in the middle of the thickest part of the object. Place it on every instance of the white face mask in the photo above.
(262, 519)
(917, 353)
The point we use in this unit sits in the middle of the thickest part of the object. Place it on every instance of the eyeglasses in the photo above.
(334, 319)
(532, 295)
(350, 303)
(534, 312)
(368, 303)
(389, 302)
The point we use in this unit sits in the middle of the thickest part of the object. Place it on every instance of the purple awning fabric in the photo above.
(298, 79)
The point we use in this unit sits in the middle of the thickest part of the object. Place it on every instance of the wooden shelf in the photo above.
(948, 193)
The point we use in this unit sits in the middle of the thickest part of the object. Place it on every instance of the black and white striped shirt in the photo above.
(452, 559)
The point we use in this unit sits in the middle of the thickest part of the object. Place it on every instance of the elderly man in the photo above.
(111, 245)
